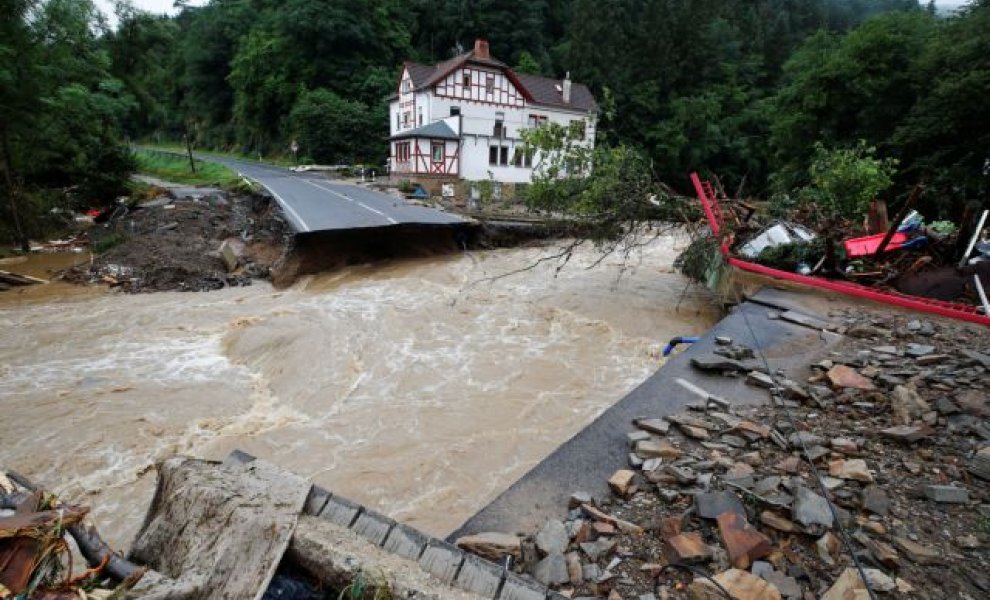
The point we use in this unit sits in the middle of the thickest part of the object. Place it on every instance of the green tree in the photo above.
(845, 180)
(944, 139)
(331, 129)
(60, 112)
(841, 89)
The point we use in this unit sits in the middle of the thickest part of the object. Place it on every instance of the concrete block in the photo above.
(521, 588)
(442, 560)
(406, 542)
(315, 501)
(479, 576)
(341, 511)
(373, 526)
(238, 457)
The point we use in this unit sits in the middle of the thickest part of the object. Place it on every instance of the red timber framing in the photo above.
(417, 157)
(504, 92)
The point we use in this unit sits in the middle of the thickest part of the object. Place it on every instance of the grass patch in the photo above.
(176, 169)
(275, 159)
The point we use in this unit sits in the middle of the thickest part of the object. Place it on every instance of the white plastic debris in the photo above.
(782, 233)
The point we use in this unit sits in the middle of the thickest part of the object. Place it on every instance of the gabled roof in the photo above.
(543, 91)
(549, 92)
(437, 130)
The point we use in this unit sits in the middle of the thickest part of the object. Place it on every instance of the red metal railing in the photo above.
(955, 310)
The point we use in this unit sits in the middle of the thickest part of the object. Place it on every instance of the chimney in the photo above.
(481, 48)
(566, 91)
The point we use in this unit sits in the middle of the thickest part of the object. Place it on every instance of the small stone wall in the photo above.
(444, 561)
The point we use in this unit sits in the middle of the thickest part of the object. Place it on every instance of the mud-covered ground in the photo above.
(175, 244)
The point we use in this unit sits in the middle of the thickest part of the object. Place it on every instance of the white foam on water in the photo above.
(420, 389)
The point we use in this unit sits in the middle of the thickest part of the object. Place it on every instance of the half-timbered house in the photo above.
(462, 119)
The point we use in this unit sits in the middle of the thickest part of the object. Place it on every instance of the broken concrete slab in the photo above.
(201, 529)
(689, 547)
(740, 585)
(946, 494)
(842, 377)
(811, 509)
(552, 570)
(553, 538)
(742, 541)
(712, 504)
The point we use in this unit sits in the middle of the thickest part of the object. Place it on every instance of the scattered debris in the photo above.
(902, 447)
(189, 245)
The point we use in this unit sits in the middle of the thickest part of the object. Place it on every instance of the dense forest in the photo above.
(742, 88)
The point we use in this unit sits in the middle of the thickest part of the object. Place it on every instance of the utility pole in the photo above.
(192, 163)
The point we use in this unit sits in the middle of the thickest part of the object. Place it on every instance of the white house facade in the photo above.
(463, 118)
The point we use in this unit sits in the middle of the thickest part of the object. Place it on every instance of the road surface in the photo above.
(313, 203)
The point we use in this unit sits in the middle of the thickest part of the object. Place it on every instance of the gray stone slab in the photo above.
(238, 457)
(316, 500)
(479, 576)
(341, 511)
(406, 542)
(521, 588)
(373, 526)
(442, 560)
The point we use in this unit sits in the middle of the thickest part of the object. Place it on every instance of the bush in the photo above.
(845, 180)
(334, 130)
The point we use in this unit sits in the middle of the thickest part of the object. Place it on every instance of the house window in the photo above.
(577, 128)
(398, 120)
(499, 129)
(406, 86)
(406, 116)
(402, 152)
(536, 120)
(498, 156)
(490, 84)
(437, 152)
(455, 111)
(420, 117)
(523, 158)
(467, 80)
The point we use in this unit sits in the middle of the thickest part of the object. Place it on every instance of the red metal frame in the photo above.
(955, 310)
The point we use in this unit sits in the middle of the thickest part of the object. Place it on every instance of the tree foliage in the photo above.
(60, 113)
(740, 88)
(845, 180)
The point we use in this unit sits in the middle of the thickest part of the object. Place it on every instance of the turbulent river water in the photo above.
(418, 388)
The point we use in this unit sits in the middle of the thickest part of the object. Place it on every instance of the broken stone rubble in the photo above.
(898, 443)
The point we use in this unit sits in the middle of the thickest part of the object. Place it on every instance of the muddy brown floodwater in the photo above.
(416, 388)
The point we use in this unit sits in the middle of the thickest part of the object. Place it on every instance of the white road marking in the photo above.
(352, 200)
(284, 204)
